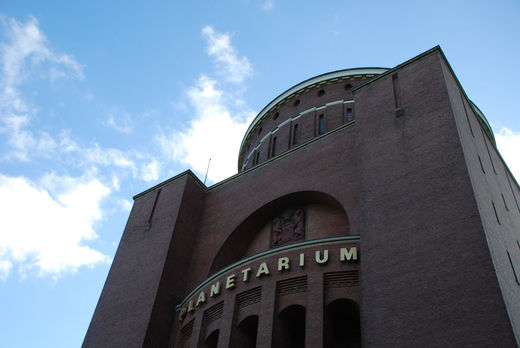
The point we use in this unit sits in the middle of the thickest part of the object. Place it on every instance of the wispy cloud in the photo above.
(94, 156)
(119, 120)
(125, 204)
(508, 143)
(150, 170)
(267, 5)
(25, 48)
(215, 132)
(23, 142)
(28, 45)
(64, 211)
(67, 210)
(231, 66)
(220, 116)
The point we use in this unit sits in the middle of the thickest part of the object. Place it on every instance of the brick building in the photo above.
(371, 208)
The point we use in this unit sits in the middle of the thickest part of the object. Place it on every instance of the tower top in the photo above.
(292, 94)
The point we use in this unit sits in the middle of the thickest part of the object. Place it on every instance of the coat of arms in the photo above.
(287, 227)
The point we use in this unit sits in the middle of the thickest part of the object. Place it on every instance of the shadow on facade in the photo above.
(289, 330)
(238, 244)
(245, 333)
(212, 340)
(342, 325)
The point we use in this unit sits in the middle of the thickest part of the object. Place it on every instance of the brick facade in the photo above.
(411, 228)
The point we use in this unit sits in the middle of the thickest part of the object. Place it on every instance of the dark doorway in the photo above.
(245, 333)
(342, 326)
(212, 340)
(290, 328)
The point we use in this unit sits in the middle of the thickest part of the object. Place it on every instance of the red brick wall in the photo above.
(408, 186)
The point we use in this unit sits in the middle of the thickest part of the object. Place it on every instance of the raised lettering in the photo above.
(262, 270)
(215, 289)
(182, 314)
(324, 259)
(283, 264)
(231, 281)
(201, 299)
(348, 254)
(190, 307)
(302, 259)
(245, 273)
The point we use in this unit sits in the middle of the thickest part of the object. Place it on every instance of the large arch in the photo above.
(238, 244)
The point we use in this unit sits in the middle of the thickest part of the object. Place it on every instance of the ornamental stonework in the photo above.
(288, 227)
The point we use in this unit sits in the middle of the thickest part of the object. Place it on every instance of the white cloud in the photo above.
(120, 121)
(220, 118)
(125, 204)
(213, 133)
(95, 155)
(232, 67)
(22, 141)
(27, 48)
(115, 183)
(107, 157)
(28, 45)
(45, 226)
(508, 143)
(67, 144)
(74, 69)
(150, 170)
(49, 223)
(5, 268)
(268, 5)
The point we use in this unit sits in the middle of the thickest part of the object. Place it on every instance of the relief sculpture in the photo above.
(287, 227)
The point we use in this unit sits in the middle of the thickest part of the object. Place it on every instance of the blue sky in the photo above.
(102, 100)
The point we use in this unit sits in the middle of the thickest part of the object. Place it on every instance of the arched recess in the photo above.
(342, 326)
(212, 340)
(330, 214)
(244, 335)
(289, 328)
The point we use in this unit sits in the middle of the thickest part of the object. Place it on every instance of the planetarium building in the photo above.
(371, 209)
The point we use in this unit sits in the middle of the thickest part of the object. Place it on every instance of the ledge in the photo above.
(317, 80)
(268, 253)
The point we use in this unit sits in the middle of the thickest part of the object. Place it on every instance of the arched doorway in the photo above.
(342, 325)
(245, 333)
(212, 340)
(289, 330)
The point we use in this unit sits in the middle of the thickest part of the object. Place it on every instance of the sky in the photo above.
(100, 100)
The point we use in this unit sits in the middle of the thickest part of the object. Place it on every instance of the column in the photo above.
(227, 322)
(314, 311)
(266, 316)
(197, 331)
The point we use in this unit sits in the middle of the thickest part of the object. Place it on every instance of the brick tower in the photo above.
(371, 208)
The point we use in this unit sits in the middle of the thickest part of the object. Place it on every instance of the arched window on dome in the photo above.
(349, 115)
(273, 147)
(295, 134)
(321, 124)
